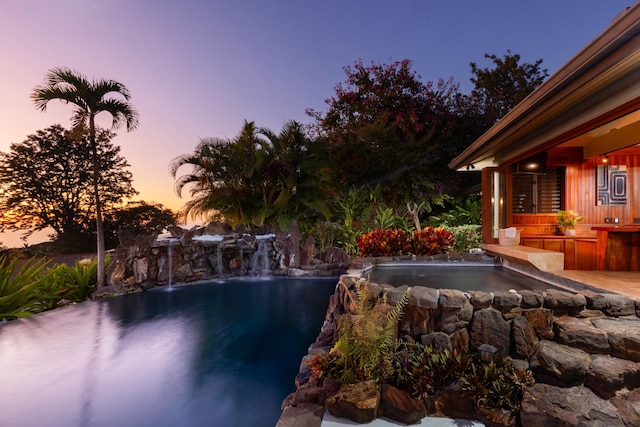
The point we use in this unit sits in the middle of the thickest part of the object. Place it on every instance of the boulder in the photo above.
(628, 406)
(424, 297)
(460, 340)
(394, 295)
(618, 305)
(452, 320)
(308, 250)
(489, 327)
(564, 303)
(581, 334)
(357, 402)
(624, 336)
(398, 405)
(480, 299)
(541, 319)
(452, 402)
(312, 392)
(559, 364)
(334, 256)
(304, 415)
(531, 299)
(506, 301)
(524, 337)
(544, 405)
(438, 341)
(416, 321)
(452, 299)
(607, 375)
(595, 301)
(140, 269)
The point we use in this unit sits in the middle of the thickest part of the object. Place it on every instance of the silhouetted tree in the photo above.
(46, 184)
(499, 89)
(138, 218)
(89, 98)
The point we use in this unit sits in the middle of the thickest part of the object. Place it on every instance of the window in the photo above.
(538, 193)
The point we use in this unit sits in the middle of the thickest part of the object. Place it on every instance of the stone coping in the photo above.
(541, 259)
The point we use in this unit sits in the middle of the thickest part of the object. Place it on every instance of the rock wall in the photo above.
(584, 348)
(143, 262)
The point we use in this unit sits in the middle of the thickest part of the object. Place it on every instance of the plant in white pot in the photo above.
(567, 221)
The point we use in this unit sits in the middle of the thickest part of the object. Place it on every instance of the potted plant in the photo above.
(567, 221)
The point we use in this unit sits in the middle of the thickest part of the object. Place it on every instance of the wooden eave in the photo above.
(597, 86)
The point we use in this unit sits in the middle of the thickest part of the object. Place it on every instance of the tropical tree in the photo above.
(384, 125)
(45, 183)
(89, 98)
(256, 178)
(299, 177)
(499, 89)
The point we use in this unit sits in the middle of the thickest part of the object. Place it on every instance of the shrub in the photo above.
(366, 338)
(36, 288)
(387, 242)
(19, 290)
(466, 237)
(496, 385)
(73, 283)
(396, 242)
(421, 370)
(431, 241)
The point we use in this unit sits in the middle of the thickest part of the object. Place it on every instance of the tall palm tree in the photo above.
(89, 98)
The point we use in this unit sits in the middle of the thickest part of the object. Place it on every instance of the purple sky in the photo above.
(199, 68)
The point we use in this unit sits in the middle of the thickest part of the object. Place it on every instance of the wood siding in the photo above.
(580, 192)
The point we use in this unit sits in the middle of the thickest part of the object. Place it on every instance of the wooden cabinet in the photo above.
(586, 254)
(579, 253)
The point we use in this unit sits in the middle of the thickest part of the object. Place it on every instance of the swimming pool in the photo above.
(464, 277)
(223, 353)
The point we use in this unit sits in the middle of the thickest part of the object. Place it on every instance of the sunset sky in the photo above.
(198, 68)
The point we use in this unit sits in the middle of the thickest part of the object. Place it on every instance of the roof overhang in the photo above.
(593, 101)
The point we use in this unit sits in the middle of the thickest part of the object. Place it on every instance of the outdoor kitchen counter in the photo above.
(618, 247)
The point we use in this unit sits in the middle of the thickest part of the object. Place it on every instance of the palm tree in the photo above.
(89, 98)
(257, 178)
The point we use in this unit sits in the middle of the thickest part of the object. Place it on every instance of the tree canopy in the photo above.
(499, 89)
(257, 178)
(384, 125)
(139, 218)
(46, 182)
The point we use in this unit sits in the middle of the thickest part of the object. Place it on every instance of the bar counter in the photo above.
(618, 247)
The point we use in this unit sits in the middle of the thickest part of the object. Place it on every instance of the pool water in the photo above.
(465, 278)
(215, 354)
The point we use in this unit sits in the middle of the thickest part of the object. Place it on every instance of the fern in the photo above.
(367, 336)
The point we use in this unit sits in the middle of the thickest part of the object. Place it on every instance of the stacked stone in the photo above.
(584, 350)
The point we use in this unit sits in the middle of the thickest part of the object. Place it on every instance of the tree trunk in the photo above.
(96, 190)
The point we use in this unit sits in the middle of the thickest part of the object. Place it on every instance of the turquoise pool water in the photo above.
(215, 354)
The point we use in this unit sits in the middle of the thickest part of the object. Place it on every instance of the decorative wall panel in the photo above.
(612, 185)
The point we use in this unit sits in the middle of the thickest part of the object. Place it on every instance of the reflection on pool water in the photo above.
(223, 354)
(488, 278)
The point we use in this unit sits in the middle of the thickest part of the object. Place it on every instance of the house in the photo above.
(572, 144)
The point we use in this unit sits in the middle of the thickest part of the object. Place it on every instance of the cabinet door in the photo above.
(586, 255)
(570, 254)
(554, 245)
(532, 243)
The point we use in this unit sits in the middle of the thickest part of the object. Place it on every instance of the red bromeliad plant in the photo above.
(431, 241)
(396, 242)
(387, 242)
